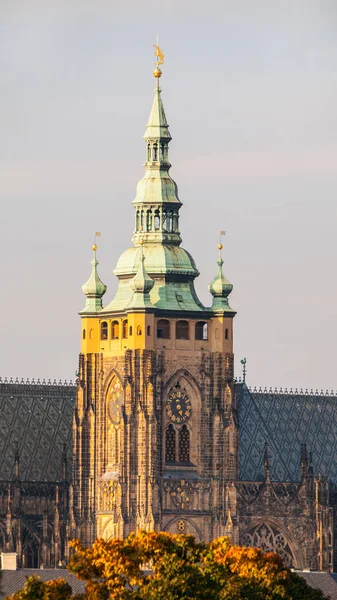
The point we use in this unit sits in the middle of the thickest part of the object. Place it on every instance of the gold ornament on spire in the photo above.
(96, 235)
(159, 59)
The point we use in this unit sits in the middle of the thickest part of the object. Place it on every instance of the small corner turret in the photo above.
(94, 289)
(220, 288)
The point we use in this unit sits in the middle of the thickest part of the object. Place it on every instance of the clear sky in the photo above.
(250, 93)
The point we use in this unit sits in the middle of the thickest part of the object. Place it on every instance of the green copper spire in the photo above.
(141, 284)
(220, 287)
(93, 289)
(157, 204)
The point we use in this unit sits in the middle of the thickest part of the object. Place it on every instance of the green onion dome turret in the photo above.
(94, 289)
(220, 287)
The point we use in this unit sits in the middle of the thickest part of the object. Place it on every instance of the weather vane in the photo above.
(220, 246)
(159, 59)
(96, 235)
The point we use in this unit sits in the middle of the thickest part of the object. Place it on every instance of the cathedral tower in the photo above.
(155, 426)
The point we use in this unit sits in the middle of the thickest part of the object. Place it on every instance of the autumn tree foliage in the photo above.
(161, 566)
(36, 589)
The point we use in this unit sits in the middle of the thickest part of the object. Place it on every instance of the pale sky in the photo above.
(250, 93)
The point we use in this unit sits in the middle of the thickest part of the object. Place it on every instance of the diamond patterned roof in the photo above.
(39, 418)
(285, 421)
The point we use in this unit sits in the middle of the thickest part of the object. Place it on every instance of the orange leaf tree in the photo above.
(161, 566)
(36, 589)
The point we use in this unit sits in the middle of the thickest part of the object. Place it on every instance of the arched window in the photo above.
(163, 329)
(114, 330)
(148, 330)
(156, 220)
(125, 329)
(182, 330)
(184, 444)
(170, 445)
(226, 334)
(130, 330)
(83, 334)
(148, 152)
(139, 330)
(104, 330)
(201, 332)
(155, 152)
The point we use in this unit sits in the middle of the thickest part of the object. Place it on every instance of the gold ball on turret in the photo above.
(220, 246)
(157, 72)
(94, 247)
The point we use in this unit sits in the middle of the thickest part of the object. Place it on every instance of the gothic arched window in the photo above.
(170, 445)
(184, 445)
(114, 330)
(201, 332)
(182, 330)
(104, 330)
(163, 329)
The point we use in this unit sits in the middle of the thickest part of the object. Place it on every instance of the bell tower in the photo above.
(155, 426)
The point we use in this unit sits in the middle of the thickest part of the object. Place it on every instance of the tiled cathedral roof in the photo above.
(37, 417)
(285, 421)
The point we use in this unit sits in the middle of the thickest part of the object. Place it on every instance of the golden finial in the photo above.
(96, 235)
(159, 60)
(220, 246)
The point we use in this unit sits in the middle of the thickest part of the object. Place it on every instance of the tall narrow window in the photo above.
(114, 330)
(139, 330)
(104, 330)
(148, 152)
(156, 220)
(155, 152)
(125, 329)
(201, 332)
(83, 334)
(163, 329)
(182, 330)
(148, 330)
(170, 444)
(184, 445)
(226, 334)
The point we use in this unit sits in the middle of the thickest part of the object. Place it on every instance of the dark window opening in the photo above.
(148, 330)
(184, 444)
(163, 329)
(83, 334)
(155, 152)
(130, 330)
(182, 330)
(104, 330)
(201, 331)
(125, 329)
(226, 334)
(170, 445)
(139, 330)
